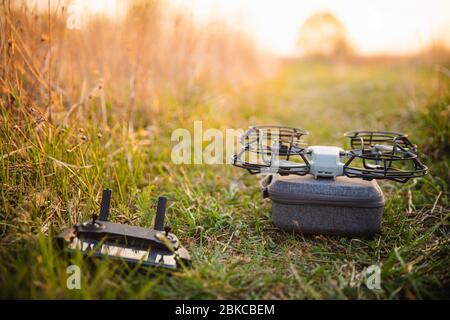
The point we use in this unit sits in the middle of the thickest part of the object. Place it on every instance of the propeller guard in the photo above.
(373, 155)
(272, 149)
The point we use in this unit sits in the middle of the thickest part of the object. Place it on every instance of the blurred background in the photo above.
(151, 47)
(143, 50)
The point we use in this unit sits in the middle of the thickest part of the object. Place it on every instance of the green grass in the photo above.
(52, 177)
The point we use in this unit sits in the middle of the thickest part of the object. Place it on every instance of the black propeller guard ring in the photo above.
(290, 140)
(395, 147)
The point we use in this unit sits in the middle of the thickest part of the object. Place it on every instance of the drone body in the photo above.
(326, 189)
(325, 161)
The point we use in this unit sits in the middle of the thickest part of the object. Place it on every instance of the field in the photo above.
(54, 166)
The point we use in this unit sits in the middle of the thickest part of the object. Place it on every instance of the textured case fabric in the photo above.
(344, 206)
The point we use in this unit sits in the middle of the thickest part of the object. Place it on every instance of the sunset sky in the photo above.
(382, 26)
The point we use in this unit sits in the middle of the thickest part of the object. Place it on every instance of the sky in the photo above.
(373, 26)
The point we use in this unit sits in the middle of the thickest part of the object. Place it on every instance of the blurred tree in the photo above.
(324, 35)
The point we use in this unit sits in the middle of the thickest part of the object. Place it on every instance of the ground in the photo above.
(52, 177)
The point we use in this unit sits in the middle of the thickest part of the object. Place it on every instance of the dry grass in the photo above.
(152, 53)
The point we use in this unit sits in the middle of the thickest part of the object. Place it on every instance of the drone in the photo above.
(156, 246)
(326, 189)
(373, 155)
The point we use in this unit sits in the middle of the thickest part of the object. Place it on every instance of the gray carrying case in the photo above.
(343, 206)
